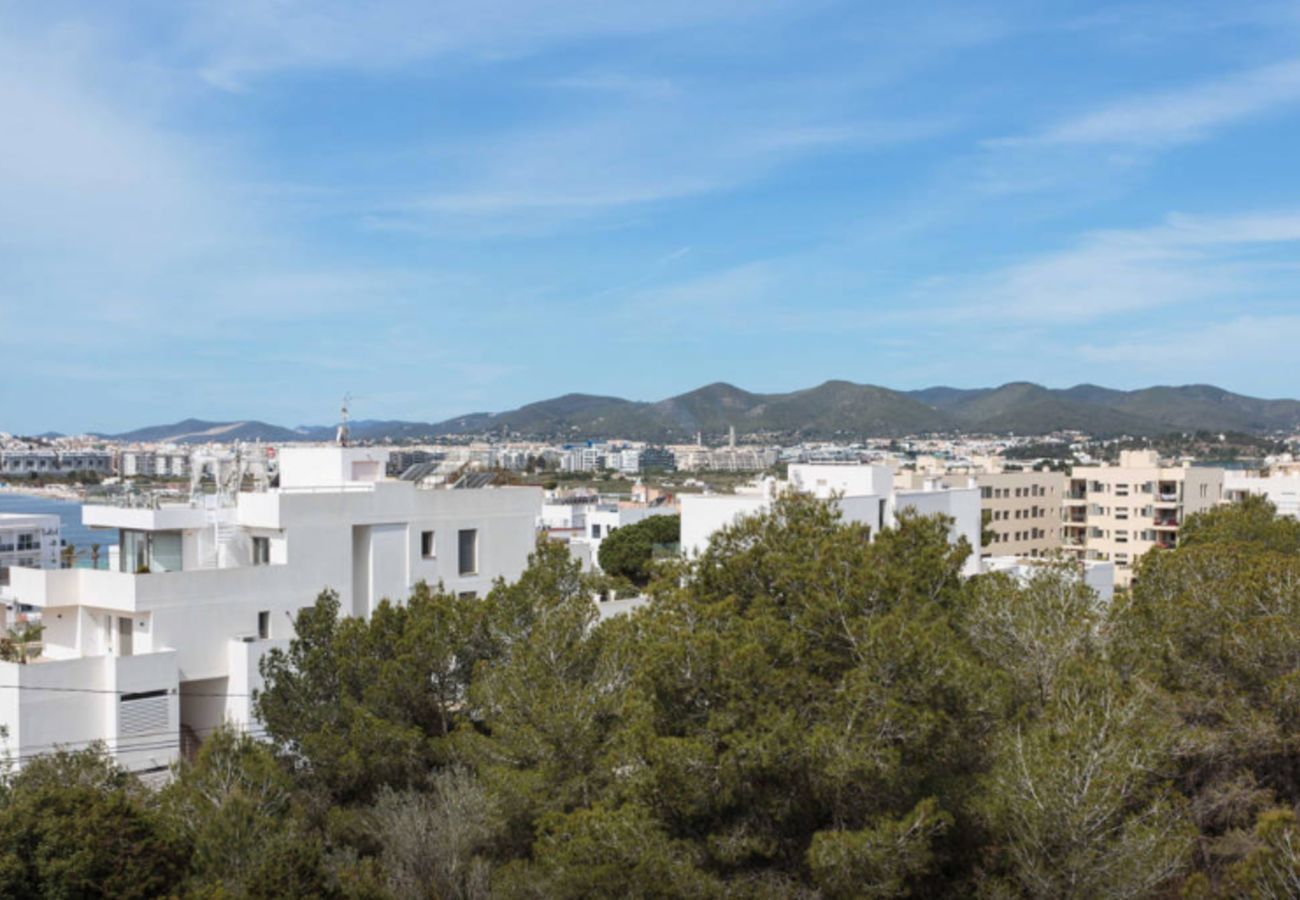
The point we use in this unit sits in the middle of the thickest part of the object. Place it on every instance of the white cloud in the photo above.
(1177, 116)
(1232, 349)
(1185, 260)
(240, 40)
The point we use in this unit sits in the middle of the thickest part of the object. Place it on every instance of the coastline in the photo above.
(44, 492)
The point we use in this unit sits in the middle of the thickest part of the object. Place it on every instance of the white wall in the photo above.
(822, 480)
(702, 515)
(330, 466)
(1283, 491)
(962, 505)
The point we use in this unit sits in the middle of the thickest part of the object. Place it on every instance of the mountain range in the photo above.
(834, 409)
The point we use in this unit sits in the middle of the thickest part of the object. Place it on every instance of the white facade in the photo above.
(26, 540)
(1283, 491)
(1097, 574)
(18, 463)
(203, 591)
(168, 462)
(864, 494)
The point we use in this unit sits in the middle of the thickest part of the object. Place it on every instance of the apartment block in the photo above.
(1022, 512)
(18, 463)
(1021, 509)
(28, 540)
(1119, 512)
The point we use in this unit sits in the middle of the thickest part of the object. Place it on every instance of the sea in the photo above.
(72, 531)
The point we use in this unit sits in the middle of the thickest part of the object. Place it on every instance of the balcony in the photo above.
(171, 517)
(128, 592)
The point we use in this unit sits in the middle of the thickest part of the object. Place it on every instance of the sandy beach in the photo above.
(48, 492)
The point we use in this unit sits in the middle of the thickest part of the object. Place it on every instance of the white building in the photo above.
(32, 541)
(585, 525)
(1282, 490)
(167, 642)
(167, 462)
(865, 494)
(1097, 574)
(40, 461)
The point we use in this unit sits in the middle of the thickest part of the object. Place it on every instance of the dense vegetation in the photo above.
(629, 552)
(800, 713)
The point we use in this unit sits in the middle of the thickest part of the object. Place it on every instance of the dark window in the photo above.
(264, 625)
(428, 548)
(261, 551)
(468, 547)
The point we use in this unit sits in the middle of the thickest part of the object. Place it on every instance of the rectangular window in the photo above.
(468, 595)
(27, 541)
(264, 625)
(467, 544)
(428, 547)
(261, 551)
(595, 531)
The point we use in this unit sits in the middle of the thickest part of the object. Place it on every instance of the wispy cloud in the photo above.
(533, 180)
(238, 41)
(1177, 116)
(1185, 351)
(1185, 260)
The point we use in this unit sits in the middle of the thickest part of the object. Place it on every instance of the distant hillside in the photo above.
(835, 409)
(197, 431)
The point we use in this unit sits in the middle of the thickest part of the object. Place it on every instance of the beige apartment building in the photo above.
(1119, 512)
(1021, 508)
(1022, 512)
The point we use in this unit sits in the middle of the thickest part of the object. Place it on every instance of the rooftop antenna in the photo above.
(342, 438)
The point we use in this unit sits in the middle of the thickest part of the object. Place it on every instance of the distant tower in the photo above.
(731, 436)
(342, 437)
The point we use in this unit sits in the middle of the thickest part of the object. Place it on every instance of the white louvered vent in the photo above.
(141, 714)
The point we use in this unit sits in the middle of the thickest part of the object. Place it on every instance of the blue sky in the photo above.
(242, 208)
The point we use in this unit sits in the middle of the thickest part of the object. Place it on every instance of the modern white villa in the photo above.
(164, 647)
(864, 494)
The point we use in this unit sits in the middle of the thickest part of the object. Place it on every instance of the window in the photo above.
(428, 547)
(595, 531)
(467, 544)
(264, 625)
(261, 551)
(27, 541)
(468, 595)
